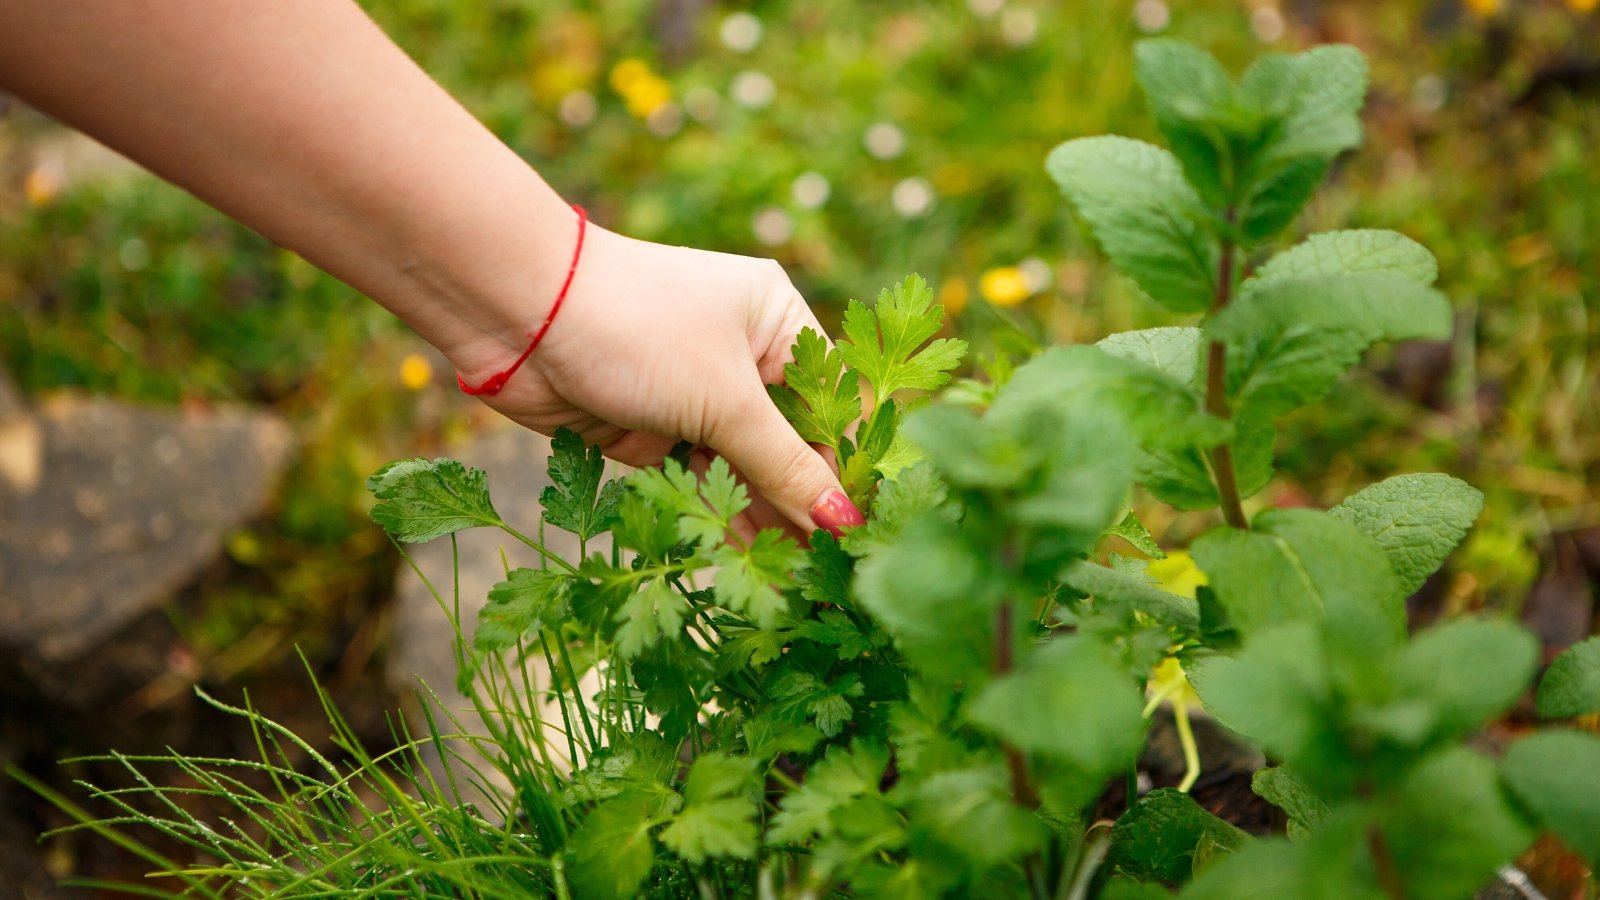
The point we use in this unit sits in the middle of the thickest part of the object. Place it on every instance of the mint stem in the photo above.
(1217, 395)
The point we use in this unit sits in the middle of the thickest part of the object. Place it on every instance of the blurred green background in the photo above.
(856, 143)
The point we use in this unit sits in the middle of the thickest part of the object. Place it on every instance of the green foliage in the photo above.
(935, 703)
(1571, 686)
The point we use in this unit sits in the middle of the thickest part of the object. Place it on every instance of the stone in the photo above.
(131, 503)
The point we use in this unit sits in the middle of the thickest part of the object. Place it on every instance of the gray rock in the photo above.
(132, 502)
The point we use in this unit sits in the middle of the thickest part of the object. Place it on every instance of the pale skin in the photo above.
(301, 119)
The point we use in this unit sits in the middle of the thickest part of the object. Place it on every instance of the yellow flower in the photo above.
(646, 95)
(1581, 6)
(628, 71)
(1169, 682)
(1483, 8)
(1177, 573)
(1004, 286)
(416, 372)
(953, 296)
(42, 186)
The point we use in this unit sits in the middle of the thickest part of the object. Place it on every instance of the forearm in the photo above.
(303, 120)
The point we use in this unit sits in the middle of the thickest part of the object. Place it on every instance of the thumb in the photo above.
(782, 467)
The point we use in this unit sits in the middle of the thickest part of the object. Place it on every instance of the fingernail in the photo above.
(834, 513)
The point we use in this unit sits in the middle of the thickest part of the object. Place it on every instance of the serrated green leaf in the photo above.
(830, 785)
(1304, 565)
(1132, 530)
(1316, 96)
(1188, 93)
(826, 579)
(575, 501)
(835, 628)
(611, 853)
(1449, 826)
(902, 499)
(1369, 250)
(819, 396)
(752, 580)
(649, 613)
(1147, 218)
(1279, 786)
(1288, 340)
(1416, 519)
(1331, 863)
(929, 590)
(1553, 773)
(883, 341)
(718, 828)
(1183, 479)
(956, 807)
(1157, 838)
(766, 736)
(1069, 700)
(1466, 672)
(643, 528)
(1174, 350)
(526, 602)
(422, 500)
(705, 511)
(1571, 686)
(1124, 594)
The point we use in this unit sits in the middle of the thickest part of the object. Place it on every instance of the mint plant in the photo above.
(935, 704)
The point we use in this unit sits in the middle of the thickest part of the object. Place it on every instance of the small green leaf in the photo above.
(1416, 519)
(1133, 531)
(528, 601)
(929, 590)
(827, 578)
(1466, 672)
(751, 580)
(1069, 700)
(1279, 786)
(611, 853)
(650, 612)
(902, 499)
(422, 500)
(1156, 839)
(830, 785)
(970, 812)
(1556, 774)
(819, 396)
(704, 512)
(718, 818)
(575, 500)
(1331, 863)
(1144, 214)
(884, 340)
(1188, 93)
(1275, 693)
(1450, 826)
(1571, 686)
(1333, 253)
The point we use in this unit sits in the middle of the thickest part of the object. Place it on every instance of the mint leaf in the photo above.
(1331, 863)
(1173, 350)
(1188, 93)
(1279, 786)
(1130, 529)
(1416, 519)
(650, 612)
(611, 854)
(819, 396)
(1571, 686)
(1157, 838)
(422, 500)
(718, 818)
(751, 580)
(883, 340)
(1290, 339)
(1303, 565)
(1373, 250)
(1071, 701)
(1147, 218)
(929, 590)
(830, 785)
(1449, 668)
(575, 500)
(1553, 774)
(526, 602)
(1316, 98)
(1123, 595)
(1449, 826)
(958, 806)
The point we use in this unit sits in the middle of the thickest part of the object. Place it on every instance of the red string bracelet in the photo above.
(498, 380)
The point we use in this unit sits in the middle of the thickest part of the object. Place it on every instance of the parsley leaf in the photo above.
(883, 340)
(422, 500)
(751, 580)
(719, 817)
(652, 611)
(575, 501)
(819, 396)
(527, 601)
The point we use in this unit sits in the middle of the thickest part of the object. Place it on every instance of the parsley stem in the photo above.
(548, 555)
(1217, 395)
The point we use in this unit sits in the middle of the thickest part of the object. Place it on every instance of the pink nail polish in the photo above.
(834, 513)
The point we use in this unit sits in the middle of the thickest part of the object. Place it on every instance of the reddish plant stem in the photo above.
(1217, 395)
(1023, 792)
(1388, 875)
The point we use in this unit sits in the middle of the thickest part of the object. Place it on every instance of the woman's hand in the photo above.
(656, 344)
